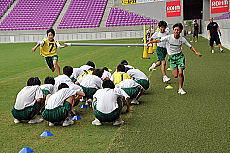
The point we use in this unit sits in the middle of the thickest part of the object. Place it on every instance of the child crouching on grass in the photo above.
(48, 86)
(59, 105)
(108, 103)
(29, 102)
(133, 89)
(90, 84)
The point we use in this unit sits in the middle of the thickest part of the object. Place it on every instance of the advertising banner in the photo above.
(129, 2)
(219, 6)
(173, 9)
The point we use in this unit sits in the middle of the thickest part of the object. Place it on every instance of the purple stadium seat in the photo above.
(33, 15)
(119, 17)
(83, 14)
(4, 5)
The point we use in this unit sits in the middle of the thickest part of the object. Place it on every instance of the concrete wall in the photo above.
(31, 37)
(225, 31)
(206, 10)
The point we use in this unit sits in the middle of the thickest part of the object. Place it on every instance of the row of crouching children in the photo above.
(106, 93)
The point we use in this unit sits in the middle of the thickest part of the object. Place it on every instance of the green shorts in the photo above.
(89, 92)
(161, 53)
(28, 112)
(143, 83)
(49, 61)
(45, 92)
(57, 114)
(132, 92)
(177, 61)
(108, 117)
(73, 79)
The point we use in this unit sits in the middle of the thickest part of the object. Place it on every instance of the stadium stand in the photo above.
(33, 15)
(223, 16)
(4, 5)
(120, 17)
(83, 14)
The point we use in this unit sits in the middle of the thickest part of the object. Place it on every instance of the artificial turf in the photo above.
(163, 122)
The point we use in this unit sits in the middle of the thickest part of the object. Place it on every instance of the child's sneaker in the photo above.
(96, 122)
(135, 102)
(67, 122)
(88, 102)
(51, 124)
(166, 79)
(212, 51)
(16, 121)
(118, 122)
(152, 67)
(181, 91)
(221, 50)
(35, 120)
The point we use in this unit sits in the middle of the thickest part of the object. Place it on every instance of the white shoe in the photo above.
(221, 50)
(88, 102)
(68, 122)
(212, 51)
(16, 121)
(181, 91)
(166, 79)
(35, 120)
(152, 67)
(118, 122)
(51, 124)
(135, 102)
(96, 122)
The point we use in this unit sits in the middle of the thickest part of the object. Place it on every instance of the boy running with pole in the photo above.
(161, 50)
(176, 57)
(48, 49)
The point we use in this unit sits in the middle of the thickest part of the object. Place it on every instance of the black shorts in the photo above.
(195, 33)
(215, 38)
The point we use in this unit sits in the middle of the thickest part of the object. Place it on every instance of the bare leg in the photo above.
(181, 78)
(175, 73)
(221, 47)
(163, 67)
(140, 93)
(56, 66)
(158, 63)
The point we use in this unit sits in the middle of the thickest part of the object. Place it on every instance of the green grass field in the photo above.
(197, 122)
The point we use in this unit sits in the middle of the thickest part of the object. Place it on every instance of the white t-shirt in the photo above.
(129, 66)
(42, 42)
(48, 87)
(91, 81)
(65, 79)
(85, 67)
(59, 98)
(106, 74)
(137, 74)
(174, 46)
(159, 35)
(27, 97)
(127, 83)
(76, 72)
(107, 99)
